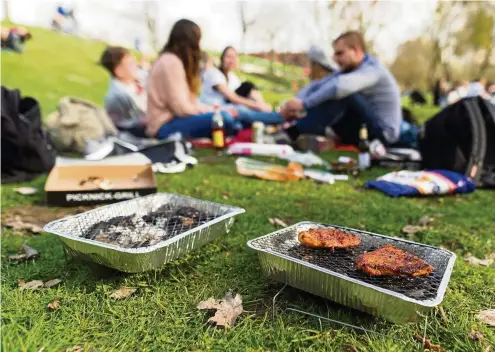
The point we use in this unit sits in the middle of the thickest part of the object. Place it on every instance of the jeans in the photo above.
(248, 116)
(345, 116)
(197, 126)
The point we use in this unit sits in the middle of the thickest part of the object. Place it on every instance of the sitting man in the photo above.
(126, 100)
(319, 65)
(364, 91)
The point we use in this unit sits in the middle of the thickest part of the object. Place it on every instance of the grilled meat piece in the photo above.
(392, 261)
(328, 238)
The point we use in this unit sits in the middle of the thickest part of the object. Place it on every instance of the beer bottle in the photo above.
(364, 148)
(218, 129)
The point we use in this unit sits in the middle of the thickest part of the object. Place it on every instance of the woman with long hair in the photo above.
(173, 85)
(222, 86)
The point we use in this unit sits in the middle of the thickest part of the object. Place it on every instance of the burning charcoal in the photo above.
(189, 212)
(187, 221)
(139, 231)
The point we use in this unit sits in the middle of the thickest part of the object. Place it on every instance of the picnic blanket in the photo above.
(422, 183)
(245, 136)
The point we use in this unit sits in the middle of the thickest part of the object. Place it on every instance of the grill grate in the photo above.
(342, 260)
(146, 224)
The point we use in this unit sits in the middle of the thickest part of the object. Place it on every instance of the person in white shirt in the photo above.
(458, 92)
(222, 86)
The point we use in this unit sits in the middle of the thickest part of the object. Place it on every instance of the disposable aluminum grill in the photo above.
(333, 275)
(143, 233)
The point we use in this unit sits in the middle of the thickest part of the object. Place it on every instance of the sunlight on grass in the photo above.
(162, 314)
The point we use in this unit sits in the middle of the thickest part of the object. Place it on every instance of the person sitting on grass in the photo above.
(125, 101)
(363, 92)
(15, 38)
(173, 87)
(319, 64)
(222, 86)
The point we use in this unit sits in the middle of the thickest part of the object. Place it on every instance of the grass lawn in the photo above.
(162, 314)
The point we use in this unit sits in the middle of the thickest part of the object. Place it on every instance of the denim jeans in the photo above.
(248, 116)
(197, 126)
(345, 116)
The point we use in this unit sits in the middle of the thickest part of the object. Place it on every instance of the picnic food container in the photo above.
(333, 275)
(166, 236)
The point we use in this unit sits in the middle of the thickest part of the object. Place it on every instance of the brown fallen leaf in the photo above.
(123, 292)
(469, 258)
(427, 344)
(53, 282)
(412, 229)
(487, 317)
(29, 253)
(31, 285)
(277, 222)
(475, 335)
(74, 349)
(227, 309)
(54, 305)
(17, 224)
(226, 196)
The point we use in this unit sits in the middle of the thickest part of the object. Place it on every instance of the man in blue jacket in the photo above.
(364, 91)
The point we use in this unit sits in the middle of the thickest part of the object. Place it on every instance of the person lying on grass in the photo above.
(173, 86)
(15, 38)
(364, 91)
(125, 101)
(222, 86)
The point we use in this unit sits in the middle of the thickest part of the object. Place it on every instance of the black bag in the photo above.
(26, 150)
(461, 138)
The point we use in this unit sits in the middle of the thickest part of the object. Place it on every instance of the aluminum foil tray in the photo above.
(334, 275)
(173, 241)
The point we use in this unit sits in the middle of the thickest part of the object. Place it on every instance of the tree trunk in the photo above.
(486, 62)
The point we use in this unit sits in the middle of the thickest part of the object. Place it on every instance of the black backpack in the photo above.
(461, 138)
(26, 150)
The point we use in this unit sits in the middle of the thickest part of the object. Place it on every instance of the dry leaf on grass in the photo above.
(489, 260)
(74, 349)
(26, 191)
(475, 335)
(53, 282)
(31, 285)
(487, 317)
(226, 196)
(54, 305)
(18, 224)
(29, 253)
(123, 292)
(412, 229)
(227, 309)
(277, 222)
(427, 344)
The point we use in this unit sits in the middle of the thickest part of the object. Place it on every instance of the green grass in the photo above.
(161, 315)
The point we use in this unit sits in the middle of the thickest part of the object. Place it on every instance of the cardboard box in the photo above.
(126, 177)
